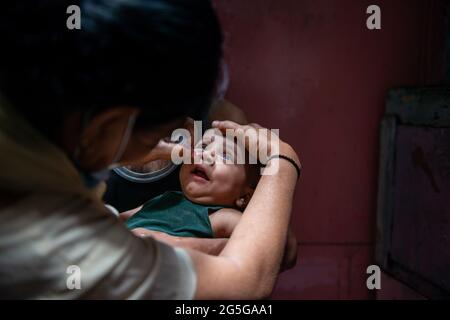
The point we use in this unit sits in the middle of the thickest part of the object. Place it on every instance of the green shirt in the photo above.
(173, 214)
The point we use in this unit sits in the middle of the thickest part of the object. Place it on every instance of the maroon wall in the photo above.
(312, 69)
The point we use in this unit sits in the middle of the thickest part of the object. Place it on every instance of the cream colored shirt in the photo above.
(50, 224)
(42, 235)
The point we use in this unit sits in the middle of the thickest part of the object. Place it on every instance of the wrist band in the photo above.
(280, 156)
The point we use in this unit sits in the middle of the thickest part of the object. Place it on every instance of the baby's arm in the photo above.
(224, 221)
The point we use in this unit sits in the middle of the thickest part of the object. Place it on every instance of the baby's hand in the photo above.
(143, 233)
(124, 216)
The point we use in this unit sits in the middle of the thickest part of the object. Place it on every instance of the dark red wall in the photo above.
(312, 69)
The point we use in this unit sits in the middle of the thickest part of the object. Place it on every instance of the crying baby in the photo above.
(213, 197)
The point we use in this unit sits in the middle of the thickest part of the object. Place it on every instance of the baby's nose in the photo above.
(196, 155)
(200, 156)
(209, 157)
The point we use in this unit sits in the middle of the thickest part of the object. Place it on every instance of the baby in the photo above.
(213, 195)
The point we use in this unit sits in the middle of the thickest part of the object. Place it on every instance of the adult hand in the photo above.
(260, 142)
(262, 146)
(163, 150)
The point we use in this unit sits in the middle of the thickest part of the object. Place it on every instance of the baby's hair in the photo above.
(253, 172)
(252, 169)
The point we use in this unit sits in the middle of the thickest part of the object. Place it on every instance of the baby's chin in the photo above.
(197, 194)
(200, 199)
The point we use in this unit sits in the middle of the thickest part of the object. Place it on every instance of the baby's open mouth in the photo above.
(200, 172)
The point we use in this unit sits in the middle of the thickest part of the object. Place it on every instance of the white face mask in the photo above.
(124, 142)
(103, 174)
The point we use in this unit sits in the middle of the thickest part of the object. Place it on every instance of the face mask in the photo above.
(93, 178)
(124, 142)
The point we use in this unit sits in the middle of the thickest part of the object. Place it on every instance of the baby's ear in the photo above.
(244, 199)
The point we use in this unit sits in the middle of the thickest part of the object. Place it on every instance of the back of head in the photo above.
(161, 56)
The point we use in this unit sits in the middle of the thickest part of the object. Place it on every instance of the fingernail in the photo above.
(215, 123)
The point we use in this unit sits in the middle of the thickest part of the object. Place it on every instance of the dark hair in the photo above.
(253, 172)
(159, 55)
